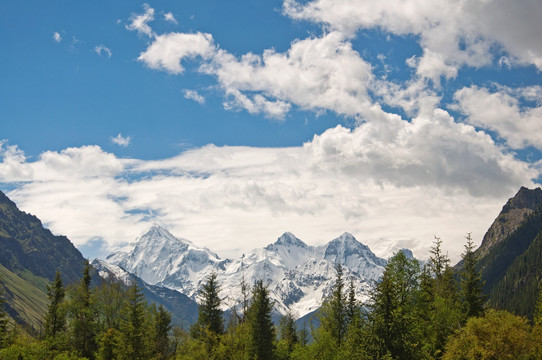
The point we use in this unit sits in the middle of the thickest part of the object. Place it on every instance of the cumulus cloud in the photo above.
(120, 140)
(56, 37)
(167, 51)
(193, 95)
(452, 34)
(103, 50)
(140, 22)
(388, 183)
(501, 111)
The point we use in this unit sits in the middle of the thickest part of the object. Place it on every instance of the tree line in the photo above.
(416, 311)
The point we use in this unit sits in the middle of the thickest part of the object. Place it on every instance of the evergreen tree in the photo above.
(209, 313)
(287, 334)
(133, 332)
(162, 326)
(55, 319)
(334, 312)
(3, 317)
(471, 282)
(393, 317)
(352, 306)
(438, 261)
(84, 321)
(261, 329)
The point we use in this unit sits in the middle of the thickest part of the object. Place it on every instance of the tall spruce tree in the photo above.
(84, 317)
(3, 316)
(334, 311)
(209, 312)
(471, 282)
(392, 319)
(55, 319)
(133, 344)
(261, 328)
(162, 326)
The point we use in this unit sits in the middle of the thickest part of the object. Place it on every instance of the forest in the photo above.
(416, 311)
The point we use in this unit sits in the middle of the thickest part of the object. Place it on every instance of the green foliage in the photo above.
(3, 317)
(393, 316)
(471, 282)
(333, 315)
(261, 328)
(162, 326)
(497, 335)
(133, 330)
(84, 326)
(55, 319)
(210, 315)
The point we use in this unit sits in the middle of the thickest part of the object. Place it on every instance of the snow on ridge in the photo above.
(299, 276)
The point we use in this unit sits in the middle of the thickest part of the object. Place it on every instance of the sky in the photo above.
(232, 122)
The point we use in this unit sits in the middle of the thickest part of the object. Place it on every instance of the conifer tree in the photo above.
(471, 282)
(262, 331)
(3, 317)
(84, 322)
(288, 332)
(334, 311)
(55, 319)
(162, 326)
(209, 312)
(133, 332)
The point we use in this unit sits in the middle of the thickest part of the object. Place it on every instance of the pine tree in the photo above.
(133, 333)
(3, 317)
(262, 331)
(438, 261)
(55, 319)
(209, 315)
(334, 311)
(288, 332)
(393, 316)
(471, 282)
(84, 322)
(352, 306)
(162, 326)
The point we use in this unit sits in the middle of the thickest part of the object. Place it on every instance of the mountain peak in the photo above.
(289, 239)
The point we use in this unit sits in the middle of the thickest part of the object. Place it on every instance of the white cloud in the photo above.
(140, 22)
(452, 33)
(57, 37)
(388, 182)
(501, 111)
(169, 17)
(101, 49)
(167, 51)
(120, 140)
(194, 95)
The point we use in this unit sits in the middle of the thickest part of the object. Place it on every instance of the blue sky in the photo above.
(233, 122)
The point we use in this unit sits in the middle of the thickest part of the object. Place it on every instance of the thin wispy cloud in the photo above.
(169, 17)
(193, 95)
(120, 140)
(140, 22)
(102, 50)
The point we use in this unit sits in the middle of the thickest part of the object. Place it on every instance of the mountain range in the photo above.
(171, 270)
(299, 276)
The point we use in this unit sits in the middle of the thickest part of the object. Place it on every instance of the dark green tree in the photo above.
(393, 311)
(162, 326)
(133, 344)
(334, 311)
(287, 335)
(471, 282)
(84, 325)
(261, 328)
(55, 319)
(209, 312)
(3, 317)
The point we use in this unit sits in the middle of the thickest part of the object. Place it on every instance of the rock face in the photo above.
(512, 215)
(298, 276)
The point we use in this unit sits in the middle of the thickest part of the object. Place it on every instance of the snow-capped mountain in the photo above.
(298, 276)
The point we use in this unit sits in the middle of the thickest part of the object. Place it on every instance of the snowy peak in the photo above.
(288, 240)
